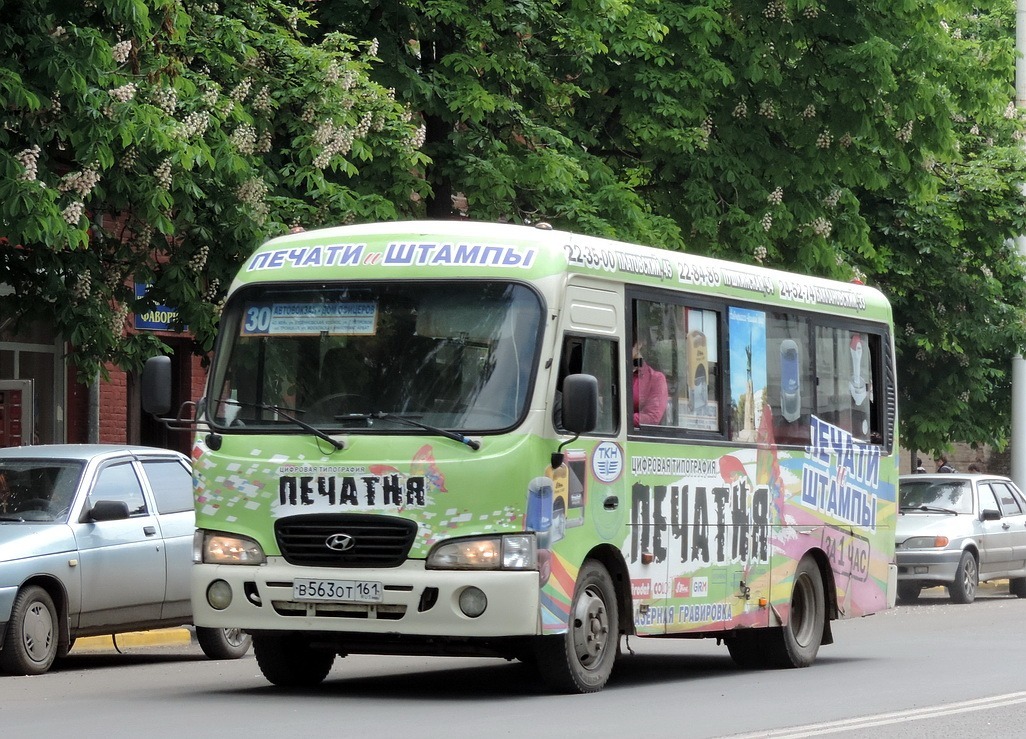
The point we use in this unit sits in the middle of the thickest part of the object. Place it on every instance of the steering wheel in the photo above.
(334, 405)
(34, 504)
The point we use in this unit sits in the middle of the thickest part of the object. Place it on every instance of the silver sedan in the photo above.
(94, 540)
(958, 530)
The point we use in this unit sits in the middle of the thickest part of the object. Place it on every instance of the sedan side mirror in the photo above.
(108, 510)
(989, 514)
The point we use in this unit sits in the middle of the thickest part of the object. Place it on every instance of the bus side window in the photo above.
(590, 356)
(789, 377)
(846, 391)
(677, 359)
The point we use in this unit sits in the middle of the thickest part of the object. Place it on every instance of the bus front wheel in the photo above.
(289, 661)
(581, 660)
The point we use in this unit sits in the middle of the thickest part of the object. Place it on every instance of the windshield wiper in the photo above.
(382, 415)
(280, 410)
(928, 509)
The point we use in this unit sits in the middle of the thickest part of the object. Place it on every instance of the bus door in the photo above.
(590, 499)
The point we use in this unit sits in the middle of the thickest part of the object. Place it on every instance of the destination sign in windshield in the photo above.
(310, 319)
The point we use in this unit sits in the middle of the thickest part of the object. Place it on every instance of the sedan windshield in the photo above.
(362, 358)
(37, 490)
(954, 496)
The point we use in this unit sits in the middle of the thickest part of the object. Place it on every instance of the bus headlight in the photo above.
(507, 552)
(212, 547)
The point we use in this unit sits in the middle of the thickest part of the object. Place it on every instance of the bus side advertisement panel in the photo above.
(716, 534)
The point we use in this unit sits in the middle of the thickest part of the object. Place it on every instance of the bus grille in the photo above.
(344, 540)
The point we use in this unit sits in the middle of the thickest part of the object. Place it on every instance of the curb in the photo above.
(154, 638)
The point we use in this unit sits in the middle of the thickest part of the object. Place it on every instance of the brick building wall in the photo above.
(114, 408)
(960, 457)
(121, 418)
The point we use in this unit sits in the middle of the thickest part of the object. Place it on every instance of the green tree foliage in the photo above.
(498, 84)
(867, 140)
(953, 273)
(825, 136)
(158, 142)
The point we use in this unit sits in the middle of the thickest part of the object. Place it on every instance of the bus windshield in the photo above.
(365, 357)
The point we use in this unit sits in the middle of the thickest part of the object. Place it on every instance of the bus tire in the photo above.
(223, 643)
(967, 578)
(581, 660)
(289, 661)
(796, 643)
(30, 646)
(1017, 586)
(747, 648)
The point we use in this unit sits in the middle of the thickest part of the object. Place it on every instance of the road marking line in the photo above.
(894, 717)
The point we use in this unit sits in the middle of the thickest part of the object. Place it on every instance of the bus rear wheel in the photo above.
(581, 660)
(289, 661)
(796, 643)
(748, 648)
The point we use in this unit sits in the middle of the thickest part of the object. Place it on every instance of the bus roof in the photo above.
(473, 249)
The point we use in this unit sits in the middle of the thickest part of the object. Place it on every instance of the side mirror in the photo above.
(580, 403)
(108, 510)
(156, 386)
(989, 514)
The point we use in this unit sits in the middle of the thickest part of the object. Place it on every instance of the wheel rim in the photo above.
(803, 610)
(235, 637)
(38, 632)
(969, 577)
(590, 628)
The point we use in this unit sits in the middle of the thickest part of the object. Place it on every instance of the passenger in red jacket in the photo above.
(650, 391)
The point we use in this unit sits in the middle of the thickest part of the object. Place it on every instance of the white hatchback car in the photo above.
(958, 530)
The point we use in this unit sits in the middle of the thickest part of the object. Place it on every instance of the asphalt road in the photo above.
(932, 669)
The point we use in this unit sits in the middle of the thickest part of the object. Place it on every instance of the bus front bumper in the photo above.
(414, 601)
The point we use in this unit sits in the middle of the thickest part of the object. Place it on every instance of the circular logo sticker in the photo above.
(607, 462)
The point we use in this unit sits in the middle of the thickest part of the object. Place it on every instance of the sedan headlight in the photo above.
(212, 547)
(507, 552)
(926, 542)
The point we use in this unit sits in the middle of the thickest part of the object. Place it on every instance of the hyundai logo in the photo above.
(340, 542)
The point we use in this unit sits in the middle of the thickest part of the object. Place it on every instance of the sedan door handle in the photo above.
(149, 530)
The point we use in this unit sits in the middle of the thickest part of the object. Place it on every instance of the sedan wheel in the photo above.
(31, 643)
(967, 578)
(908, 592)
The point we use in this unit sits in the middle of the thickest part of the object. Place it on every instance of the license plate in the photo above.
(337, 591)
